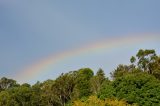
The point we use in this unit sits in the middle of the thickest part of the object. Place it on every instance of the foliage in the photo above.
(4, 98)
(135, 84)
(106, 91)
(6, 83)
(94, 101)
(149, 62)
(83, 86)
(63, 86)
(96, 81)
(138, 88)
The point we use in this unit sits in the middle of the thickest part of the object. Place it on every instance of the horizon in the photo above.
(73, 32)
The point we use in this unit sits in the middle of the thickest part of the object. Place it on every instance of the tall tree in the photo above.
(149, 62)
(97, 80)
(83, 86)
(64, 85)
(6, 83)
(145, 59)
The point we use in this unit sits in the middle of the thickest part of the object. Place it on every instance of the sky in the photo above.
(32, 31)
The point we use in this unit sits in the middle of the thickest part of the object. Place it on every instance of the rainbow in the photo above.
(38, 68)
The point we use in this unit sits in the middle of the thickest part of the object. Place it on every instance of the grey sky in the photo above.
(32, 30)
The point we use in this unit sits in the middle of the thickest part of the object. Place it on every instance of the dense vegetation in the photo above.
(137, 84)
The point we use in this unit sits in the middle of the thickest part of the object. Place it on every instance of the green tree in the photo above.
(97, 80)
(22, 95)
(6, 83)
(107, 90)
(37, 94)
(26, 85)
(156, 68)
(5, 98)
(133, 59)
(83, 86)
(145, 59)
(63, 86)
(48, 95)
(140, 88)
(148, 61)
(122, 70)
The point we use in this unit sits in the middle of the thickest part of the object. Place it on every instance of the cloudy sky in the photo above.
(33, 30)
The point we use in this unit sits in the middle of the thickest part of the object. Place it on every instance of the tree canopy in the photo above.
(135, 84)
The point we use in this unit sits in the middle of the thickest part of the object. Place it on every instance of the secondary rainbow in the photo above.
(39, 67)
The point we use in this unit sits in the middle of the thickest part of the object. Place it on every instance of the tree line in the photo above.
(136, 84)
